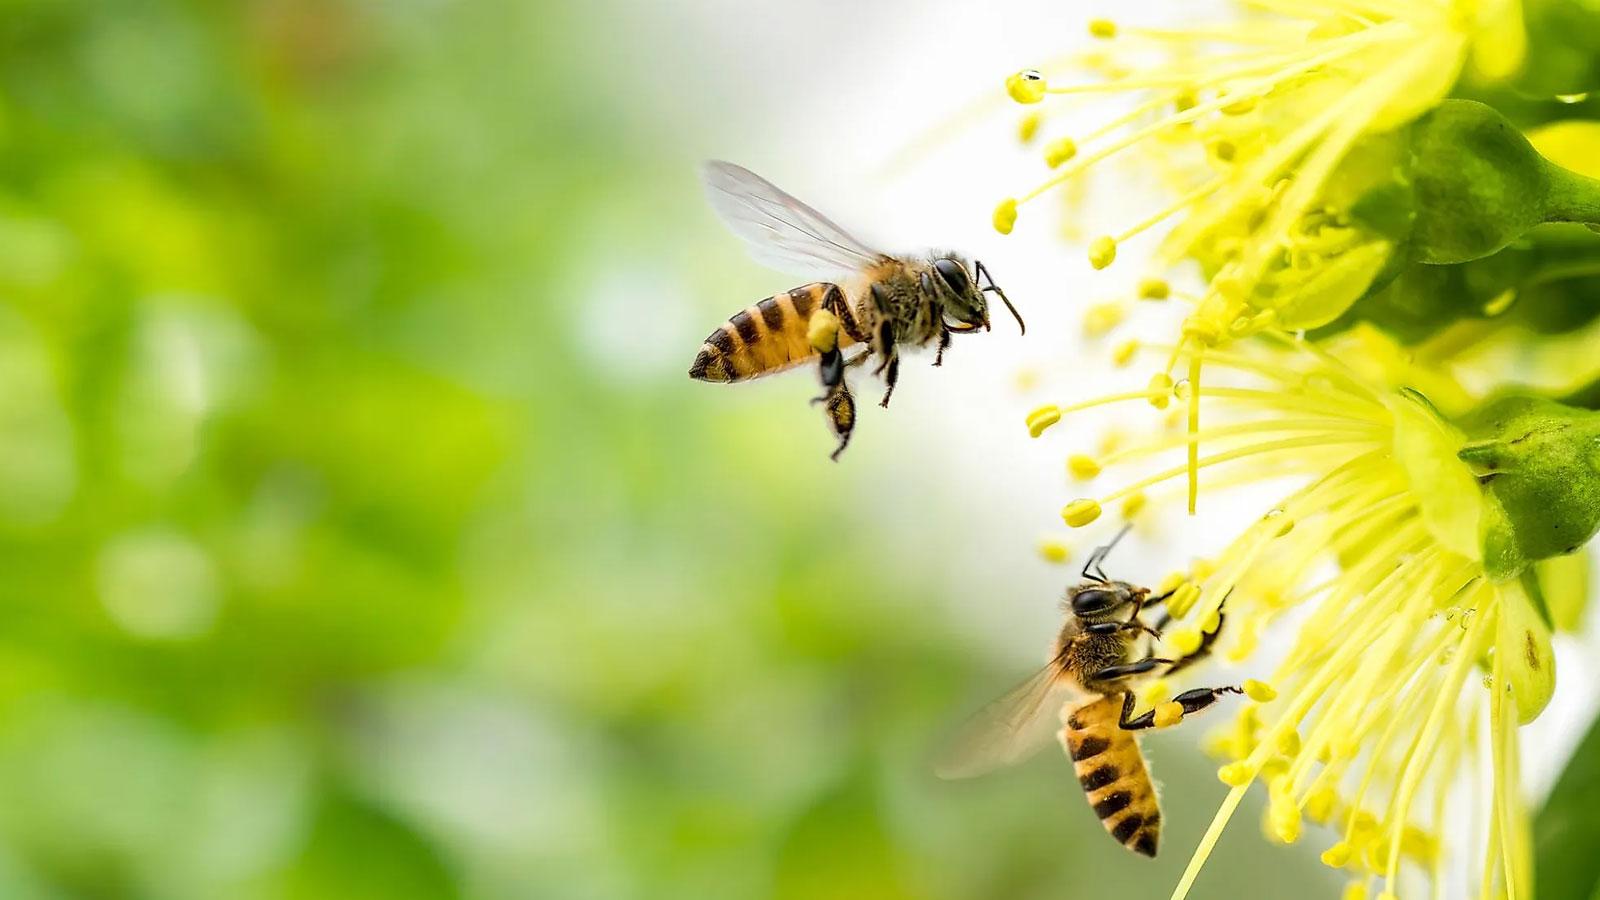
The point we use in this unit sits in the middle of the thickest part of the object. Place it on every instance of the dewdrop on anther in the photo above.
(1102, 252)
(1079, 513)
(1083, 467)
(1059, 151)
(1154, 289)
(1280, 523)
(1181, 390)
(1027, 86)
(1160, 388)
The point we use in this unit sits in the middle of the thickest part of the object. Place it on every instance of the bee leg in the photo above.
(944, 344)
(837, 402)
(892, 377)
(1124, 670)
(1189, 701)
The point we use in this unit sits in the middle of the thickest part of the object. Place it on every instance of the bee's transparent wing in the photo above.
(782, 232)
(1008, 730)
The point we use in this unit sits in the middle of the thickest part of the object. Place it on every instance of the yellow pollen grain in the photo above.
(1169, 714)
(1102, 251)
(1154, 289)
(1102, 317)
(1124, 352)
(1029, 127)
(1005, 215)
(1043, 418)
(1027, 86)
(1059, 151)
(1160, 390)
(1079, 513)
(1082, 467)
(1054, 550)
(1259, 691)
(1102, 28)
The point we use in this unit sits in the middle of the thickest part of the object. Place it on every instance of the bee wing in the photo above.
(1008, 730)
(782, 232)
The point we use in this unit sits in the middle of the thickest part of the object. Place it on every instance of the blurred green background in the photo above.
(360, 536)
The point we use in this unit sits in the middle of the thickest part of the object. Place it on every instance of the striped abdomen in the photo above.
(770, 336)
(1112, 772)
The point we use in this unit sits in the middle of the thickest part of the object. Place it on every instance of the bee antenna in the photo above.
(1021, 326)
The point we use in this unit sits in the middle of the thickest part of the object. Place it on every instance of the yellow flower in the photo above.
(1251, 121)
(1406, 660)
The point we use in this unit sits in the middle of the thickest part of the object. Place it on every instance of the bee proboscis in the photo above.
(861, 296)
(1102, 651)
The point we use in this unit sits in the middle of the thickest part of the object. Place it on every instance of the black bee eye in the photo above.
(1092, 600)
(954, 275)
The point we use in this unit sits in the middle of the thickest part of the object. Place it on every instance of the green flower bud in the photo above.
(1479, 185)
(1538, 462)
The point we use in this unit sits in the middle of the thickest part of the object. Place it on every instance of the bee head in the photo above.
(1098, 599)
(964, 296)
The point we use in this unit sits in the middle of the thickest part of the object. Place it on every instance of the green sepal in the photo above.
(1538, 462)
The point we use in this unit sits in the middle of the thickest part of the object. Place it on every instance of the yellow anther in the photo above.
(1172, 582)
(1183, 600)
(1102, 252)
(1027, 86)
(1224, 150)
(1124, 352)
(1418, 844)
(1388, 895)
(1029, 127)
(1079, 513)
(1337, 856)
(1054, 550)
(1184, 641)
(1160, 388)
(1234, 774)
(1284, 816)
(1259, 691)
(1102, 317)
(1043, 418)
(1110, 441)
(1320, 805)
(1134, 504)
(1154, 289)
(1211, 621)
(1005, 215)
(1240, 107)
(1169, 714)
(1187, 99)
(1202, 568)
(1289, 743)
(822, 332)
(1102, 28)
(1026, 379)
(1059, 151)
(1082, 467)
(1355, 890)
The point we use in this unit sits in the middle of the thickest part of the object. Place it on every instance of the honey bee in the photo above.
(862, 296)
(1103, 650)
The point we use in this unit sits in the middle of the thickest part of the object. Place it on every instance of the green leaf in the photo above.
(1567, 830)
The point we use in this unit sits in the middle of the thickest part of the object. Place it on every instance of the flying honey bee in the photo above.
(862, 296)
(1103, 650)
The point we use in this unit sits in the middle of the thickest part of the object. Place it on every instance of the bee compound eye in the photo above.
(954, 274)
(1092, 600)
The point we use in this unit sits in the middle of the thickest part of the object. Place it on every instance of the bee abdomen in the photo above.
(1113, 775)
(767, 337)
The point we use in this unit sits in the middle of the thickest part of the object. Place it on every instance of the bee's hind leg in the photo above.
(837, 402)
(1191, 701)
